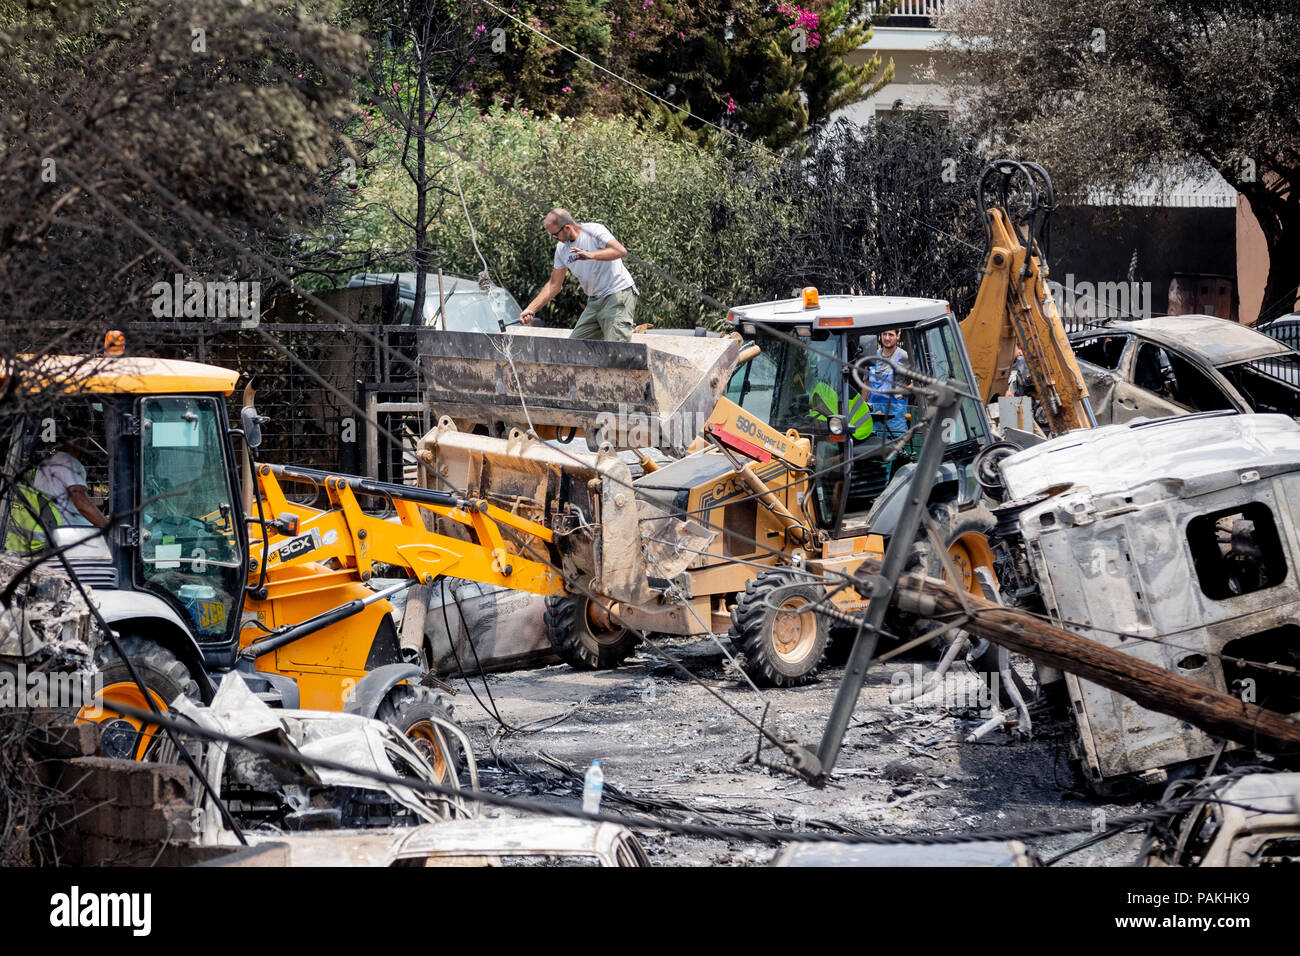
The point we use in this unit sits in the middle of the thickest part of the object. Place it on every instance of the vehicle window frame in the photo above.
(231, 572)
(1230, 374)
(1210, 375)
(1124, 353)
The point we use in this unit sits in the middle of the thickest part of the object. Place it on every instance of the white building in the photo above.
(912, 39)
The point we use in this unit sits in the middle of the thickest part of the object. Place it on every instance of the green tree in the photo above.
(770, 71)
(767, 69)
(520, 66)
(689, 212)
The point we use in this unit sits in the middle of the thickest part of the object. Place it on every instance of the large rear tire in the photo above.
(580, 639)
(783, 645)
(965, 533)
(163, 675)
(411, 710)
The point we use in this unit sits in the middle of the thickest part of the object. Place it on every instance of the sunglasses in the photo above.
(556, 234)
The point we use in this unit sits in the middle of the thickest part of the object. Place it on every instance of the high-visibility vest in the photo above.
(823, 403)
(29, 508)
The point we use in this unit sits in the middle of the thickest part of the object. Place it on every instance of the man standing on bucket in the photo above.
(591, 253)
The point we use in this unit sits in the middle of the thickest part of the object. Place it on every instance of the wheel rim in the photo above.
(128, 694)
(599, 626)
(968, 552)
(424, 736)
(794, 634)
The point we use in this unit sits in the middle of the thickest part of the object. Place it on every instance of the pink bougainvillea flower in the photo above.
(731, 106)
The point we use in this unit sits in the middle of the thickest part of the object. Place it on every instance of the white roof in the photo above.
(1191, 448)
(866, 311)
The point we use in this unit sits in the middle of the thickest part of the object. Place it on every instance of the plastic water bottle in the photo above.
(592, 787)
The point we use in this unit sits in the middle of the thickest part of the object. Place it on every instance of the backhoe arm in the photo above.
(1014, 306)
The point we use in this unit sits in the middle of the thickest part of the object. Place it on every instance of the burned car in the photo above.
(278, 795)
(1179, 365)
(1244, 819)
(1173, 541)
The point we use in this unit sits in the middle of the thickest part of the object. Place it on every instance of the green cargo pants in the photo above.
(609, 317)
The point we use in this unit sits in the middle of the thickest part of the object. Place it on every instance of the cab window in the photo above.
(190, 550)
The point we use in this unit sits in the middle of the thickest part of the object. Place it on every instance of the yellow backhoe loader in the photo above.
(793, 468)
(196, 585)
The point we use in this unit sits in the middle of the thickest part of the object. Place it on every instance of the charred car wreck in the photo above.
(1173, 541)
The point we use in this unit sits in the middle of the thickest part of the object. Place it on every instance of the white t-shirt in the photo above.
(54, 476)
(597, 278)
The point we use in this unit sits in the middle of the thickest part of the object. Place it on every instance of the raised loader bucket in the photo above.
(654, 392)
(607, 540)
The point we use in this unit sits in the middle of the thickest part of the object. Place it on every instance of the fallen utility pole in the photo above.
(1153, 687)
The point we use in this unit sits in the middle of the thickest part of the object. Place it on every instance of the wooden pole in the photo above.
(1153, 687)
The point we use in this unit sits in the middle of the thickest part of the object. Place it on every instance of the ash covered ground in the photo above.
(663, 739)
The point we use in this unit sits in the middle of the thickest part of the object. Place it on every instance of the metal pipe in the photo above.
(904, 694)
(1004, 672)
(983, 730)
(990, 588)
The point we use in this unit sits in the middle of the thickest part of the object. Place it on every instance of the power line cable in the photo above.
(765, 836)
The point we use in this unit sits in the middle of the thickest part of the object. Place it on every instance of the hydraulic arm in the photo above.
(1015, 305)
(355, 541)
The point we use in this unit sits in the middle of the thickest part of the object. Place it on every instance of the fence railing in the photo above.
(919, 8)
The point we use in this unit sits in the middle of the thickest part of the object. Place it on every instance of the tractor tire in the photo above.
(579, 641)
(408, 708)
(163, 675)
(781, 647)
(965, 532)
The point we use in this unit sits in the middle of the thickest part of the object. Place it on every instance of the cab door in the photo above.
(192, 546)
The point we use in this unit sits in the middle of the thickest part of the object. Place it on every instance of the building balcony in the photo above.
(911, 27)
(921, 10)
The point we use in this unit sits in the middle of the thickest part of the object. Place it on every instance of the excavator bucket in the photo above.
(609, 541)
(656, 391)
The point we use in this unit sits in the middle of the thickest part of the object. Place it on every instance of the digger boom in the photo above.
(1014, 306)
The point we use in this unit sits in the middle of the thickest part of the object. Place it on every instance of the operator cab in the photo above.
(153, 439)
(801, 379)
